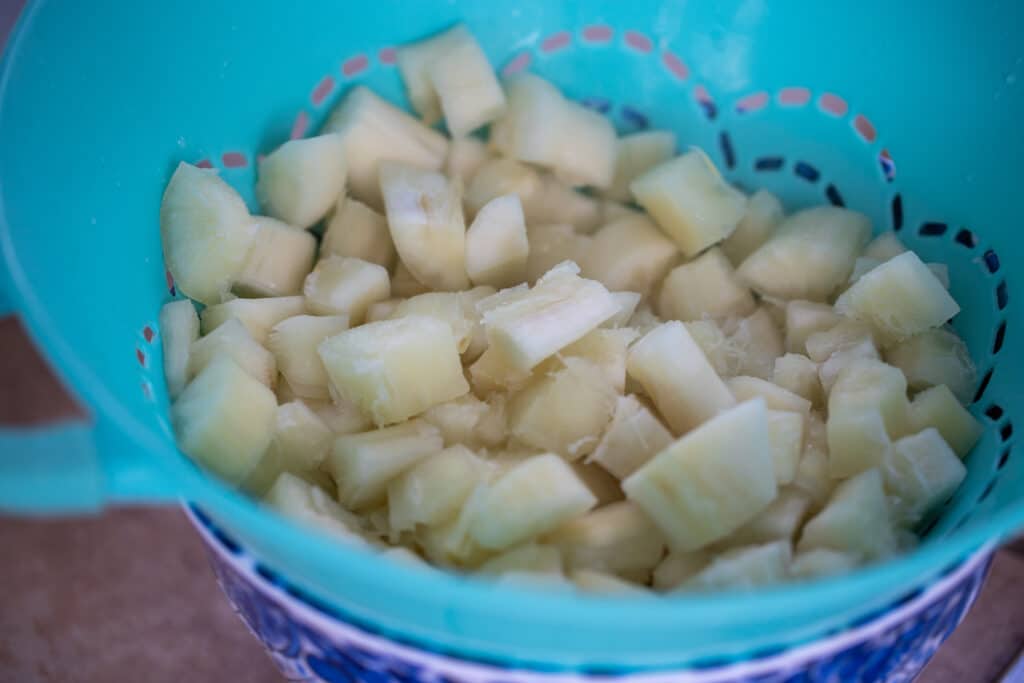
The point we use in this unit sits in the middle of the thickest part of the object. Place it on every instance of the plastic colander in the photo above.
(908, 112)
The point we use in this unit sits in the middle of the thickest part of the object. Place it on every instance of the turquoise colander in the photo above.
(909, 112)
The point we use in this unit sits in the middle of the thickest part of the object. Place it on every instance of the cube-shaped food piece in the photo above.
(798, 374)
(342, 285)
(820, 562)
(634, 436)
(554, 244)
(466, 85)
(711, 481)
(810, 254)
(564, 412)
(424, 212)
(690, 201)
(935, 357)
(529, 557)
(857, 440)
(604, 486)
(206, 232)
(450, 544)
(491, 372)
(499, 177)
(786, 434)
(179, 327)
(921, 472)
(556, 202)
(804, 318)
(884, 247)
(258, 315)
(856, 520)
(613, 538)
(533, 126)
(779, 522)
(374, 130)
(233, 340)
(627, 303)
(775, 397)
(527, 326)
(744, 568)
(872, 384)
(454, 308)
(606, 349)
(300, 181)
(340, 416)
(755, 343)
(404, 284)
(299, 445)
(705, 287)
(496, 244)
(677, 567)
(433, 490)
(224, 419)
(834, 365)
(845, 334)
(307, 504)
(394, 369)
(356, 230)
(898, 299)
(812, 474)
(601, 583)
(363, 465)
(279, 260)
(676, 374)
(465, 156)
(532, 498)
(636, 154)
(294, 343)
(724, 358)
(586, 151)
(414, 62)
(937, 407)
(470, 421)
(629, 254)
(382, 310)
(764, 213)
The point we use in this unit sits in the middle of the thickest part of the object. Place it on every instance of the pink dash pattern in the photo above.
(701, 94)
(598, 33)
(864, 128)
(354, 66)
(148, 334)
(518, 63)
(170, 282)
(752, 102)
(833, 104)
(300, 125)
(204, 163)
(387, 56)
(322, 90)
(794, 97)
(234, 160)
(638, 41)
(675, 65)
(141, 357)
(556, 42)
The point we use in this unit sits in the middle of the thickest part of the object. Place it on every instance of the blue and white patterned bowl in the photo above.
(313, 642)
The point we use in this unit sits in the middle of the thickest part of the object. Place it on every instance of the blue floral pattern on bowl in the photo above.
(311, 643)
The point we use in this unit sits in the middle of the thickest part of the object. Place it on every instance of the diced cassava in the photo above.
(634, 436)
(821, 562)
(745, 568)
(556, 202)
(846, 334)
(232, 340)
(744, 388)
(629, 254)
(433, 490)
(300, 181)
(920, 472)
(342, 285)
(707, 286)
(798, 374)
(299, 500)
(830, 369)
(764, 213)
(358, 231)
(804, 318)
(938, 408)
(786, 435)
(613, 538)
(278, 261)
(856, 520)
(500, 177)
(496, 243)
(935, 357)
(179, 327)
(779, 522)
(627, 303)
(755, 343)
(404, 284)
(468, 420)
(884, 247)
(340, 416)
(294, 342)
(553, 244)
(299, 444)
(530, 557)
(605, 349)
(465, 156)
(677, 567)
(600, 583)
(636, 154)
(258, 315)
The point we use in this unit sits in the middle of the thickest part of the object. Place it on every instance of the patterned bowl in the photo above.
(313, 642)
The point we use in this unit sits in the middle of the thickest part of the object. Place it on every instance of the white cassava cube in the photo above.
(920, 472)
(690, 201)
(935, 357)
(781, 521)
(830, 369)
(382, 310)
(764, 213)
(604, 486)
(857, 441)
(804, 318)
(362, 465)
(179, 327)
(744, 568)
(556, 202)
(554, 244)
(496, 244)
(465, 156)
(711, 481)
(414, 61)
(374, 130)
(845, 334)
(233, 340)
(258, 315)
(786, 435)
(586, 153)
(627, 303)
(499, 177)
(797, 373)
(644, 319)
(855, 520)
(279, 260)
(394, 369)
(861, 267)
(636, 154)
(470, 421)
(755, 343)
(534, 497)
(634, 436)
(357, 230)
(294, 342)
(299, 445)
(613, 538)
(527, 326)
(564, 412)
(404, 284)
(433, 490)
(812, 474)
(629, 254)
(453, 308)
(530, 557)
(224, 419)
(342, 285)
(775, 397)
(821, 562)
(724, 358)
(677, 567)
(340, 416)
(307, 504)
(492, 372)
(206, 232)
(876, 385)
(601, 583)
(300, 181)
(937, 407)
(884, 247)
(605, 349)
(707, 286)
(424, 212)
(899, 299)
(674, 372)
(810, 254)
